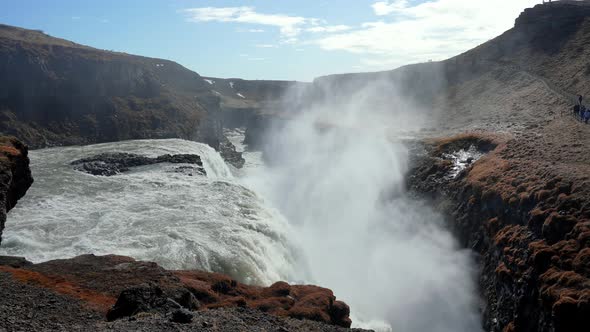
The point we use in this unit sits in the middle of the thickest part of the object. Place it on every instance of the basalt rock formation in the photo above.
(526, 212)
(109, 164)
(242, 101)
(56, 92)
(15, 175)
(101, 290)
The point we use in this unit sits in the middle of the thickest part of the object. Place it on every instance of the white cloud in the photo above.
(328, 28)
(382, 8)
(289, 26)
(436, 29)
(266, 46)
(403, 32)
(241, 30)
(76, 18)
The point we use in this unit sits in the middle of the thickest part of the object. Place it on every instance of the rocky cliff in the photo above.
(55, 92)
(118, 293)
(527, 216)
(15, 175)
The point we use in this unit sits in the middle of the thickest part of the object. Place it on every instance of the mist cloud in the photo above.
(337, 174)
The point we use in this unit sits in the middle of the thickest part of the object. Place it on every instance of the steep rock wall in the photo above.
(15, 175)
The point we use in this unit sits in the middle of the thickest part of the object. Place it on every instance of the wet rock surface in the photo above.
(230, 154)
(15, 175)
(109, 164)
(119, 293)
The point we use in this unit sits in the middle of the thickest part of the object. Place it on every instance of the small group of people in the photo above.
(581, 111)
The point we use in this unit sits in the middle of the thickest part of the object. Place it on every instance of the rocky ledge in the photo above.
(109, 164)
(528, 219)
(119, 293)
(15, 175)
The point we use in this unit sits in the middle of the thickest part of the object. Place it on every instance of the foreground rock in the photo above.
(99, 289)
(525, 208)
(109, 164)
(15, 175)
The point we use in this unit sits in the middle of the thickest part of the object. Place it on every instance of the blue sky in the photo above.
(273, 39)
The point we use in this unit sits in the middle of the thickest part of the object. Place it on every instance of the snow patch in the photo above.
(209, 81)
(240, 95)
(216, 93)
(231, 85)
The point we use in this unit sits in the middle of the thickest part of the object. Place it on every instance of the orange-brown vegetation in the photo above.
(92, 299)
(10, 149)
(535, 221)
(297, 301)
(97, 281)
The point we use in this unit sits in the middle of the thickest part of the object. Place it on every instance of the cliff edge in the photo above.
(15, 175)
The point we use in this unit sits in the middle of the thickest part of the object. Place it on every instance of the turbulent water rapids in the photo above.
(151, 213)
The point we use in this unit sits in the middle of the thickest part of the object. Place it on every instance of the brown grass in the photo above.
(91, 299)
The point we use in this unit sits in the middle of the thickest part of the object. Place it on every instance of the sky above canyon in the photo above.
(274, 39)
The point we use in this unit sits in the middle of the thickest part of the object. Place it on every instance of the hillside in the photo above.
(534, 69)
(55, 92)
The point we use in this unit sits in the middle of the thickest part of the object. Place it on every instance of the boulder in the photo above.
(182, 316)
(149, 298)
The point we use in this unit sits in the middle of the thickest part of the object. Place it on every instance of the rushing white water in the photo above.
(151, 213)
(338, 178)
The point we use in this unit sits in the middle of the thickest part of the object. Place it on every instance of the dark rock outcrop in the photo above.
(120, 287)
(229, 153)
(15, 175)
(29, 306)
(150, 298)
(109, 164)
(182, 316)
